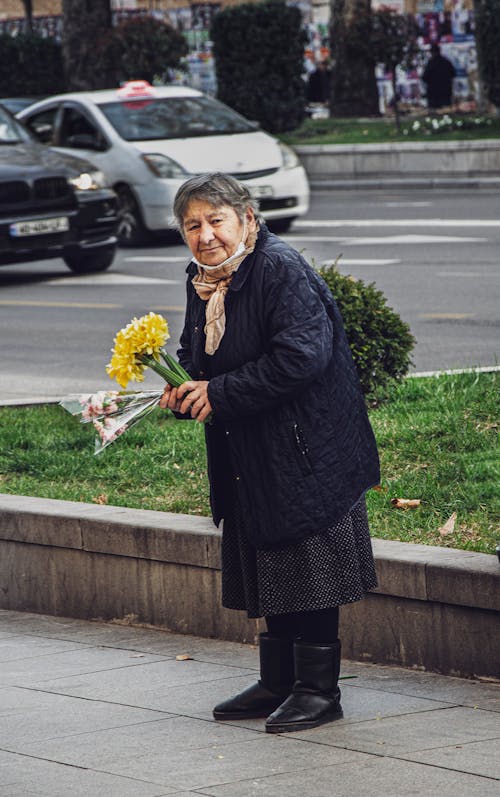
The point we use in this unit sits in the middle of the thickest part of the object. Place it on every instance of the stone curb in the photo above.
(37, 400)
(435, 608)
(432, 164)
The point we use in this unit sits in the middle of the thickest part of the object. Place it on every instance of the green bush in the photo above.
(30, 66)
(381, 343)
(259, 53)
(139, 49)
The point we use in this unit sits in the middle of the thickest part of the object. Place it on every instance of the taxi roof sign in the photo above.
(136, 88)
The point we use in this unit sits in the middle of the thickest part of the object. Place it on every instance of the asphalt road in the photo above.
(434, 254)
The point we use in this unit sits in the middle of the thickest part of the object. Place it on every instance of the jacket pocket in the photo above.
(301, 449)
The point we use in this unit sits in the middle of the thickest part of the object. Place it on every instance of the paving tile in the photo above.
(458, 691)
(104, 709)
(372, 776)
(374, 704)
(147, 640)
(198, 699)
(147, 686)
(264, 755)
(23, 647)
(28, 716)
(29, 622)
(480, 758)
(23, 777)
(358, 705)
(404, 734)
(46, 666)
(133, 747)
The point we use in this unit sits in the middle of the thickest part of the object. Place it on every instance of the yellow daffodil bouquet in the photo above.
(137, 346)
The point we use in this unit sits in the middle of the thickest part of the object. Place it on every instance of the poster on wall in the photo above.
(449, 23)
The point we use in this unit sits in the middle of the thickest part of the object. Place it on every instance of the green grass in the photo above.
(379, 131)
(438, 440)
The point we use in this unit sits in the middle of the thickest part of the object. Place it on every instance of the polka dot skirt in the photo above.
(322, 571)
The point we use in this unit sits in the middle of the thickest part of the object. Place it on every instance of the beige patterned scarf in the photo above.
(211, 283)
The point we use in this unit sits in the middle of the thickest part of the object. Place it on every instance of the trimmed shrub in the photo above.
(21, 58)
(381, 343)
(139, 49)
(259, 54)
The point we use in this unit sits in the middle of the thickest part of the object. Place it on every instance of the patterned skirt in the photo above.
(319, 572)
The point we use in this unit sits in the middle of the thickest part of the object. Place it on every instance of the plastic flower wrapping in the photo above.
(137, 346)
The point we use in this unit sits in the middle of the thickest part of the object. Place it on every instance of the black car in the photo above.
(51, 204)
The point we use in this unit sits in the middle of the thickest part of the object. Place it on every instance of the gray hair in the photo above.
(217, 189)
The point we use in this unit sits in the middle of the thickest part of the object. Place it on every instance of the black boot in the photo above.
(315, 697)
(276, 681)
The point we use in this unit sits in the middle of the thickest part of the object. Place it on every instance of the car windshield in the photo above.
(174, 117)
(11, 132)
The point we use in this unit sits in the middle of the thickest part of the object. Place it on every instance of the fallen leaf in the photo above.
(405, 503)
(378, 488)
(449, 526)
(183, 657)
(101, 499)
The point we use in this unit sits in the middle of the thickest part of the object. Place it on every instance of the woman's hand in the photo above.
(190, 397)
(170, 400)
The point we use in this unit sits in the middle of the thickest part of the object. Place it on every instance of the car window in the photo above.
(78, 132)
(11, 131)
(173, 117)
(42, 125)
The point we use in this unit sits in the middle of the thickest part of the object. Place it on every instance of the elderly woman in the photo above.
(290, 449)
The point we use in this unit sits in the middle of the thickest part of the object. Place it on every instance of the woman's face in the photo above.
(212, 234)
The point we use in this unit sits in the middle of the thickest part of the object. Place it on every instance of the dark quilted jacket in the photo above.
(286, 397)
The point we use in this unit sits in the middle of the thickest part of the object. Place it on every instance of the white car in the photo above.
(148, 140)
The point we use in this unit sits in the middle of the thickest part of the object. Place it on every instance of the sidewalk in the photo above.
(103, 710)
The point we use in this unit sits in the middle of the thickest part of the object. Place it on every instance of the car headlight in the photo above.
(88, 181)
(289, 158)
(162, 166)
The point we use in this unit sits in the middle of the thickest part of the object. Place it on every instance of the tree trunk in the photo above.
(28, 13)
(487, 17)
(84, 21)
(354, 86)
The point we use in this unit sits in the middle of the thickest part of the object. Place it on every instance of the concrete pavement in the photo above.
(92, 709)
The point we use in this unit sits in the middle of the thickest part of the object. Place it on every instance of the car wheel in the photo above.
(280, 225)
(130, 230)
(88, 262)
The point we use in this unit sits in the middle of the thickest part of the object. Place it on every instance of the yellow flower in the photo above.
(145, 335)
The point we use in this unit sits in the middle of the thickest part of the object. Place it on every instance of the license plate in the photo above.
(259, 191)
(39, 226)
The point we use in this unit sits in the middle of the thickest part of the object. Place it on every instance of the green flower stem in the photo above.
(166, 373)
(175, 375)
(175, 366)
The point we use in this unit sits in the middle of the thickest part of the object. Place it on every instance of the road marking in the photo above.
(396, 223)
(114, 278)
(33, 303)
(446, 316)
(169, 308)
(475, 274)
(386, 239)
(157, 259)
(348, 262)
(406, 204)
